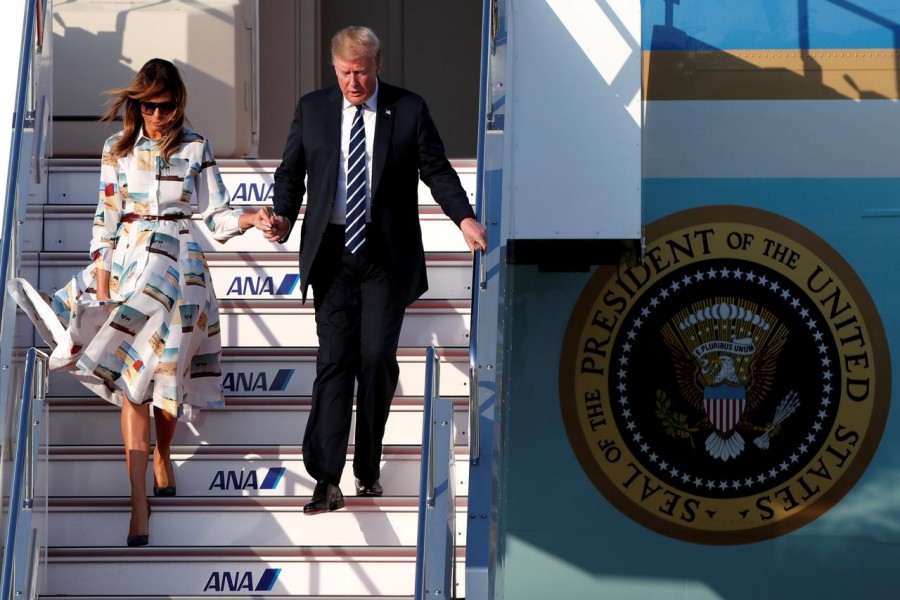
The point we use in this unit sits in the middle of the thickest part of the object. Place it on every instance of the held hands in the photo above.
(474, 233)
(273, 227)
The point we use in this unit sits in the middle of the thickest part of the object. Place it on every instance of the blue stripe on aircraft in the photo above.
(772, 24)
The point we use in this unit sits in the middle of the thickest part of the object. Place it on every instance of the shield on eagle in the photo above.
(724, 405)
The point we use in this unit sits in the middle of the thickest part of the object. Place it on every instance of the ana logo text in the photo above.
(253, 192)
(241, 581)
(257, 381)
(263, 286)
(243, 480)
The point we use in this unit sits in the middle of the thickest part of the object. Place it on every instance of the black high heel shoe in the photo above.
(164, 491)
(141, 540)
(169, 490)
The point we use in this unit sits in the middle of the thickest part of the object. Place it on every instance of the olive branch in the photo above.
(674, 423)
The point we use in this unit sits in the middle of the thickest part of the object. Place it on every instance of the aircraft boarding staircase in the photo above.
(237, 525)
(236, 528)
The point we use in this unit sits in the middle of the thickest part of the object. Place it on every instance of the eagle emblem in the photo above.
(725, 354)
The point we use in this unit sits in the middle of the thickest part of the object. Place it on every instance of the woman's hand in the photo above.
(263, 219)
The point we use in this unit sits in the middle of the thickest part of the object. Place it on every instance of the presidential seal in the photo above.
(730, 387)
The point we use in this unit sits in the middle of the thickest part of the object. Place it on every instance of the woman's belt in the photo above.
(131, 217)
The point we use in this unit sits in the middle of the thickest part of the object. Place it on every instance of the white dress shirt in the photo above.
(348, 112)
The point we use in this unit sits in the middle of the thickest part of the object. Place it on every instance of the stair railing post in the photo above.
(20, 537)
(436, 547)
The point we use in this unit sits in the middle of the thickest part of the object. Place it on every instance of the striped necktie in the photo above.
(355, 233)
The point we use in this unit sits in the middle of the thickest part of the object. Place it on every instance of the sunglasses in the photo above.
(148, 108)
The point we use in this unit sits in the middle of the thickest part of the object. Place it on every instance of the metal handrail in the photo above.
(432, 383)
(479, 268)
(426, 478)
(9, 214)
(20, 547)
(23, 476)
(436, 536)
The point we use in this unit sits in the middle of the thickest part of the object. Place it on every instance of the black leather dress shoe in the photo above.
(326, 497)
(373, 489)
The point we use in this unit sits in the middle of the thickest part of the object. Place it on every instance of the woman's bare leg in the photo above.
(136, 435)
(163, 474)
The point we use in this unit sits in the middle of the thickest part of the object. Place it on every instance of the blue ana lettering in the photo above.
(256, 382)
(234, 480)
(245, 382)
(253, 192)
(258, 286)
(251, 286)
(226, 581)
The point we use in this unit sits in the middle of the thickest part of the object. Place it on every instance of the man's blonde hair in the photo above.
(356, 42)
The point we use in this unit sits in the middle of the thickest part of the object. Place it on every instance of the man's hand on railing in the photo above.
(474, 233)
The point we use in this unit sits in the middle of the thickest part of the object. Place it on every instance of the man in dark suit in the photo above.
(362, 146)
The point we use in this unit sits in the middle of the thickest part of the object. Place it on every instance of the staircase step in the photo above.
(228, 472)
(67, 228)
(329, 571)
(212, 522)
(272, 372)
(288, 323)
(250, 182)
(238, 276)
(89, 422)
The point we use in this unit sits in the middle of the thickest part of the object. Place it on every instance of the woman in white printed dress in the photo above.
(140, 325)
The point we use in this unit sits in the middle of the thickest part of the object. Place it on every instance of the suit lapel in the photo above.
(384, 126)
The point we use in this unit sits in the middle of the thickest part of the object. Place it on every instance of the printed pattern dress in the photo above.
(158, 338)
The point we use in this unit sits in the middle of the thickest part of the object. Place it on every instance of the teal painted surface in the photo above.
(773, 24)
(560, 538)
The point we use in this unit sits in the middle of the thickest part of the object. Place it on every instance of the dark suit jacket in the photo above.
(406, 147)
